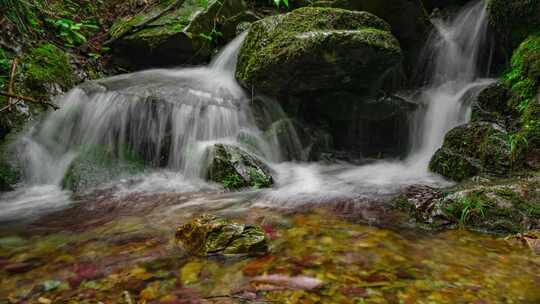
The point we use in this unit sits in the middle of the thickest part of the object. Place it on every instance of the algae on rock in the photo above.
(234, 168)
(183, 34)
(314, 49)
(210, 235)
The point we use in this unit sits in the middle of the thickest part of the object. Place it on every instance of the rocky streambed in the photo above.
(127, 249)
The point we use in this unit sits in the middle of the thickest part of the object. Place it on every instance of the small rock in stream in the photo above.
(210, 235)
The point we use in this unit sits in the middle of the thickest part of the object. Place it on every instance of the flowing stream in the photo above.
(171, 117)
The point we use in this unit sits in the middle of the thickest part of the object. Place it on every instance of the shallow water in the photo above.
(99, 250)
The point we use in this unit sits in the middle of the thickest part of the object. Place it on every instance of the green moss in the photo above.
(523, 77)
(233, 181)
(47, 65)
(278, 47)
(98, 164)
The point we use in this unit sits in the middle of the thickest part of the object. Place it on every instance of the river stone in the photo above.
(185, 34)
(210, 235)
(471, 149)
(235, 168)
(312, 49)
(98, 165)
(501, 206)
(407, 18)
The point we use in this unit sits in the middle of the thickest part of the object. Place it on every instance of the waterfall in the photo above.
(454, 54)
(170, 117)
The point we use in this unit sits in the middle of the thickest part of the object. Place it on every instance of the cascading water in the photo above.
(170, 117)
(454, 52)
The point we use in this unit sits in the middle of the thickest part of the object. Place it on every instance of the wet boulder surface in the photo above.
(173, 33)
(513, 20)
(473, 149)
(500, 206)
(236, 168)
(98, 165)
(312, 49)
(210, 235)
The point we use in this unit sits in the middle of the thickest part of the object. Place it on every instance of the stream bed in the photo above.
(108, 248)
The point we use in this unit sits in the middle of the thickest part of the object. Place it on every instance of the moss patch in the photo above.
(316, 48)
(46, 65)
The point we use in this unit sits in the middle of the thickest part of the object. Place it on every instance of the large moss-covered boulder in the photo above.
(513, 20)
(175, 32)
(471, 149)
(313, 49)
(491, 105)
(210, 235)
(235, 168)
(408, 20)
(98, 165)
(503, 206)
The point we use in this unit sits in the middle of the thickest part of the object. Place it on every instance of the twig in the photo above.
(139, 26)
(25, 98)
(11, 80)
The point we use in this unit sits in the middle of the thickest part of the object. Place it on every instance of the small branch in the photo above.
(11, 80)
(25, 98)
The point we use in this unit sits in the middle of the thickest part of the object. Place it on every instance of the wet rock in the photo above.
(364, 126)
(98, 165)
(210, 235)
(472, 149)
(407, 18)
(491, 105)
(530, 239)
(235, 168)
(513, 20)
(505, 206)
(313, 49)
(186, 33)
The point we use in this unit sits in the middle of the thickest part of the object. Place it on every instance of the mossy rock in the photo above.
(210, 235)
(312, 49)
(503, 206)
(235, 168)
(187, 33)
(10, 170)
(46, 69)
(513, 20)
(408, 20)
(491, 104)
(523, 78)
(98, 165)
(473, 148)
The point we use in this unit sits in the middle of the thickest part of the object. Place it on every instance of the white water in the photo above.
(187, 110)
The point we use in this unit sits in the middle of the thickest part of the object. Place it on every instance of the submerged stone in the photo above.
(98, 165)
(312, 49)
(210, 235)
(185, 33)
(235, 168)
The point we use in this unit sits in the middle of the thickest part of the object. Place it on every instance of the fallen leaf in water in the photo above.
(190, 272)
(277, 281)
